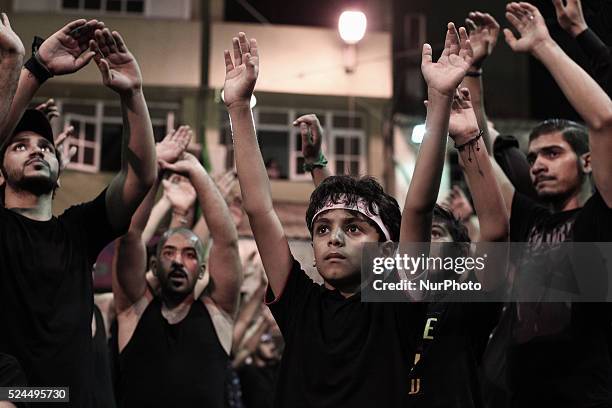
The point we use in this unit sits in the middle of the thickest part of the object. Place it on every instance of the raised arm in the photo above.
(224, 263)
(120, 72)
(571, 19)
(585, 95)
(312, 138)
(64, 52)
(240, 77)
(130, 263)
(11, 59)
(442, 79)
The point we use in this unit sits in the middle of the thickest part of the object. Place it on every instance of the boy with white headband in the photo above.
(339, 351)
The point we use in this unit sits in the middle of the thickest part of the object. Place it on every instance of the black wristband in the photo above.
(474, 74)
(38, 69)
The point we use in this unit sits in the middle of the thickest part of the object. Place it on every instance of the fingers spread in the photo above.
(510, 38)
(237, 52)
(119, 41)
(229, 65)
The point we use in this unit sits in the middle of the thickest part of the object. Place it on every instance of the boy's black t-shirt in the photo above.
(46, 294)
(453, 341)
(558, 353)
(340, 352)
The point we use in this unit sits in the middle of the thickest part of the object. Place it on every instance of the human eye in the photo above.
(353, 228)
(20, 147)
(322, 229)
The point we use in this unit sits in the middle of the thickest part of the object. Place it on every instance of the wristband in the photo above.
(36, 67)
(474, 74)
(321, 162)
(470, 143)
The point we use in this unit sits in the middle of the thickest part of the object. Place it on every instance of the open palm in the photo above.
(462, 124)
(530, 24)
(241, 73)
(119, 68)
(447, 73)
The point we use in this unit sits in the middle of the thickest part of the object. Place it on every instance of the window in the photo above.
(98, 129)
(281, 143)
(111, 6)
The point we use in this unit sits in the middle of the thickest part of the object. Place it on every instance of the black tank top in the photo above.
(173, 365)
(103, 390)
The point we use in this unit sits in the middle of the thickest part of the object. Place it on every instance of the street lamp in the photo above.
(352, 26)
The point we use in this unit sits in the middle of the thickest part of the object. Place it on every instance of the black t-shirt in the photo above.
(447, 370)
(340, 352)
(558, 352)
(46, 294)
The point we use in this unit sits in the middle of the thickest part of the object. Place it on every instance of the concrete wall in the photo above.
(306, 60)
(168, 51)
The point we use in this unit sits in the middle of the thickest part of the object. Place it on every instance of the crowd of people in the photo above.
(189, 323)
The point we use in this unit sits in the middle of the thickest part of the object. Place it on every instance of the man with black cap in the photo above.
(46, 291)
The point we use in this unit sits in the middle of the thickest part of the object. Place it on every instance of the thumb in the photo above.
(84, 59)
(426, 56)
(166, 184)
(105, 71)
(510, 38)
(558, 7)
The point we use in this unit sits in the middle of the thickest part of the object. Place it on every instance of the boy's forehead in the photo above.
(339, 214)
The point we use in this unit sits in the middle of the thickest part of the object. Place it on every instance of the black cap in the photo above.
(35, 121)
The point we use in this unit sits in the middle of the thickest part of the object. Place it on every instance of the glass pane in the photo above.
(299, 163)
(159, 131)
(90, 132)
(355, 146)
(347, 121)
(298, 142)
(110, 158)
(113, 5)
(339, 146)
(70, 4)
(274, 147)
(340, 167)
(92, 4)
(88, 156)
(112, 111)
(81, 109)
(273, 118)
(354, 165)
(77, 127)
(135, 6)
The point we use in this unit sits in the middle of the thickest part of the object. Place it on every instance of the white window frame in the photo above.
(81, 143)
(98, 120)
(146, 9)
(328, 143)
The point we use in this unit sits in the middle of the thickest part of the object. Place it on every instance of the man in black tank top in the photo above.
(173, 347)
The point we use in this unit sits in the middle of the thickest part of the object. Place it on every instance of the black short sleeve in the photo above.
(90, 221)
(292, 298)
(594, 222)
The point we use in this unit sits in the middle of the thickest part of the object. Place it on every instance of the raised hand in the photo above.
(312, 136)
(570, 16)
(225, 183)
(462, 125)
(186, 165)
(458, 204)
(241, 73)
(180, 192)
(62, 144)
(50, 109)
(174, 144)
(483, 32)
(529, 23)
(447, 73)
(68, 50)
(119, 69)
(10, 43)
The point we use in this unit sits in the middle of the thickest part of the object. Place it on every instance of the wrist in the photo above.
(131, 92)
(474, 72)
(434, 95)
(543, 48)
(239, 105)
(577, 29)
(465, 136)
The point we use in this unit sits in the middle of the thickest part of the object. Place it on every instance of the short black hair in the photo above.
(335, 188)
(575, 134)
(455, 227)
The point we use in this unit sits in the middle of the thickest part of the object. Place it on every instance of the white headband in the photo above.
(360, 206)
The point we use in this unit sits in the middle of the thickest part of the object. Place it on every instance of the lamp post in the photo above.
(351, 26)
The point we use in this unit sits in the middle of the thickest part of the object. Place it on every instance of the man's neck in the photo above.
(573, 201)
(35, 207)
(175, 310)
